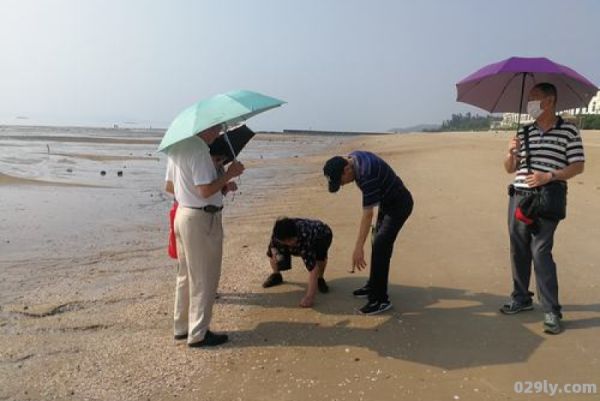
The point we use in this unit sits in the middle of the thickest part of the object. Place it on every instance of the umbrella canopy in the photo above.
(229, 108)
(238, 138)
(499, 87)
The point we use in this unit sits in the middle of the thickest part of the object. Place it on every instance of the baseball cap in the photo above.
(333, 170)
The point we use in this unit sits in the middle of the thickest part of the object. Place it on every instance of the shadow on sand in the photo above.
(444, 327)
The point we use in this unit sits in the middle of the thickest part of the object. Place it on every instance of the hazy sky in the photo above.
(341, 65)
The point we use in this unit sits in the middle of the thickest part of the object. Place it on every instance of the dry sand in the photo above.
(100, 328)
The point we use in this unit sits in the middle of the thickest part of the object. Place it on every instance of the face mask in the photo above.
(534, 109)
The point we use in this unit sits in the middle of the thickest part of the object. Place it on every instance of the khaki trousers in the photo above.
(199, 238)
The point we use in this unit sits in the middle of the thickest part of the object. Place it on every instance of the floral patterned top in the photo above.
(310, 232)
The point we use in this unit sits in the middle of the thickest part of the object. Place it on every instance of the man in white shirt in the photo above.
(192, 177)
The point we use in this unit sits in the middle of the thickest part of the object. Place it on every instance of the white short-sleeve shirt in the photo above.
(189, 165)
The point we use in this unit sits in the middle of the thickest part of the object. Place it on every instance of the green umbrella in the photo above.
(229, 108)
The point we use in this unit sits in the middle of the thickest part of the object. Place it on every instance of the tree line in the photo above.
(466, 122)
(476, 122)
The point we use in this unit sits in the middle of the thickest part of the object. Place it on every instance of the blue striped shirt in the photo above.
(375, 178)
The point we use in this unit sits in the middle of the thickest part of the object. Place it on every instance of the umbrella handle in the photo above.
(519, 118)
(230, 146)
(234, 159)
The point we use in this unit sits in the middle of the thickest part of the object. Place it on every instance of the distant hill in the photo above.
(416, 128)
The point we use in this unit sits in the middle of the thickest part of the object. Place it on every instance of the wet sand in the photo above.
(85, 197)
(99, 327)
(103, 158)
(82, 139)
(6, 179)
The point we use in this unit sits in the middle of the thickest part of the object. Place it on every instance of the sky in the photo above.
(344, 65)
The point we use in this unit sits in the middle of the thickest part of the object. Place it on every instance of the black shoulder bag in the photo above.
(548, 201)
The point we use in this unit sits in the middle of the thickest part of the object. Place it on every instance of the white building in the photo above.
(510, 120)
(592, 108)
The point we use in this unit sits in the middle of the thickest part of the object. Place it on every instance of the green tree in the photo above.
(468, 122)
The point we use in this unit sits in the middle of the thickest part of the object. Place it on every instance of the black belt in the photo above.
(521, 192)
(208, 209)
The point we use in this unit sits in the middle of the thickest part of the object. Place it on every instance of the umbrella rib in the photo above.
(504, 90)
(571, 89)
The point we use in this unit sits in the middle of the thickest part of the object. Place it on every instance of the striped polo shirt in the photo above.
(552, 150)
(375, 178)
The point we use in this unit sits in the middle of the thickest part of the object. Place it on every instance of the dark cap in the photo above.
(333, 170)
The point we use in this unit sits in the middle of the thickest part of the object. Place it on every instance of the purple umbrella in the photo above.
(500, 87)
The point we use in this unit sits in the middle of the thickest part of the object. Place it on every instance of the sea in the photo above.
(74, 191)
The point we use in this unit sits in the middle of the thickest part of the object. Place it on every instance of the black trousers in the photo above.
(527, 248)
(390, 219)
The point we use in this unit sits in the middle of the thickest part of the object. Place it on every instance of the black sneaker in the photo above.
(323, 287)
(210, 340)
(273, 280)
(362, 292)
(178, 337)
(375, 307)
(552, 323)
(515, 307)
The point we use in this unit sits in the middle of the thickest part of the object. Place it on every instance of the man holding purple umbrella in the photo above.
(544, 156)
(546, 153)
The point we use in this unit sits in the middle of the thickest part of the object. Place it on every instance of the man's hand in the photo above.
(308, 301)
(230, 187)
(358, 256)
(512, 158)
(514, 146)
(235, 169)
(170, 187)
(358, 259)
(217, 186)
(538, 178)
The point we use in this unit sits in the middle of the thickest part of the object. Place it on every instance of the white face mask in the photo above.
(534, 109)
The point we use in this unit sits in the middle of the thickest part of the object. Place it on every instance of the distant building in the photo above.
(510, 120)
(592, 108)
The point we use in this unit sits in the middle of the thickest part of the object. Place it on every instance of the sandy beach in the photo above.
(96, 324)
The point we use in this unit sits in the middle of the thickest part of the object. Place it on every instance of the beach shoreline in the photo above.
(100, 327)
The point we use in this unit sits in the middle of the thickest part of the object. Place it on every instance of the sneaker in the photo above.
(552, 323)
(375, 307)
(178, 337)
(273, 280)
(210, 340)
(323, 287)
(362, 292)
(515, 307)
